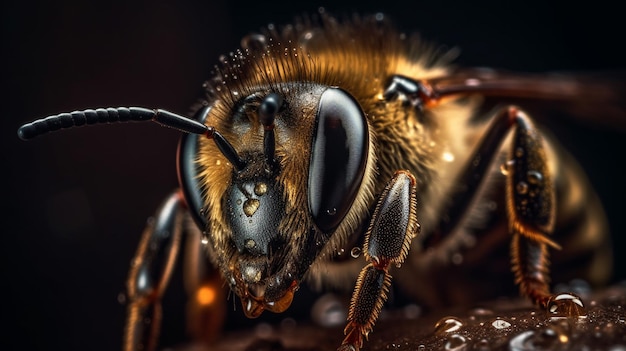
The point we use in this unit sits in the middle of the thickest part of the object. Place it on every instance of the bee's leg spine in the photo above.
(387, 241)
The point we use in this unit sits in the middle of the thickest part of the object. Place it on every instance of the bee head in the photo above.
(273, 199)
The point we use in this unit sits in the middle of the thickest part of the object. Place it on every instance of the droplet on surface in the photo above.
(448, 325)
(522, 342)
(481, 313)
(506, 167)
(250, 207)
(306, 36)
(546, 339)
(260, 189)
(521, 188)
(254, 41)
(250, 244)
(566, 305)
(534, 177)
(456, 342)
(355, 252)
(500, 324)
(329, 311)
(482, 345)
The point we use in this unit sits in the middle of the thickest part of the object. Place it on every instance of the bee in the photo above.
(327, 135)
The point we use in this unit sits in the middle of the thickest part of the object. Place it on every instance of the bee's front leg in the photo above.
(387, 242)
(149, 275)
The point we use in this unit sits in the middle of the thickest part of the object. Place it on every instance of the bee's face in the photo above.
(269, 219)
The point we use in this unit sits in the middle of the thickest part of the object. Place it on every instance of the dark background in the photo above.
(76, 202)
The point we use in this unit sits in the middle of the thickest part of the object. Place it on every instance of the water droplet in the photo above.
(545, 339)
(481, 313)
(522, 341)
(250, 207)
(329, 311)
(355, 252)
(205, 240)
(566, 305)
(254, 41)
(534, 177)
(456, 342)
(250, 244)
(331, 212)
(521, 188)
(482, 345)
(260, 189)
(500, 324)
(421, 348)
(308, 35)
(519, 152)
(448, 325)
(238, 202)
(506, 167)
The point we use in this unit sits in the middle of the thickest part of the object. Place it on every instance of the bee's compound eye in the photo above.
(338, 157)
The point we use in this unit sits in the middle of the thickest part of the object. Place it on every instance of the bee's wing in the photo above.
(595, 97)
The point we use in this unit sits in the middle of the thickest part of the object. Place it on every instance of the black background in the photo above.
(74, 203)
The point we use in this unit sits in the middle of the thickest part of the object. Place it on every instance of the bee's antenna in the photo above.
(226, 148)
(268, 109)
(109, 115)
(130, 114)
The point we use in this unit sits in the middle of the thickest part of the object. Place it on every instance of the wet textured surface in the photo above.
(503, 324)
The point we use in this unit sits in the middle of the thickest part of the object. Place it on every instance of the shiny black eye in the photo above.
(338, 157)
